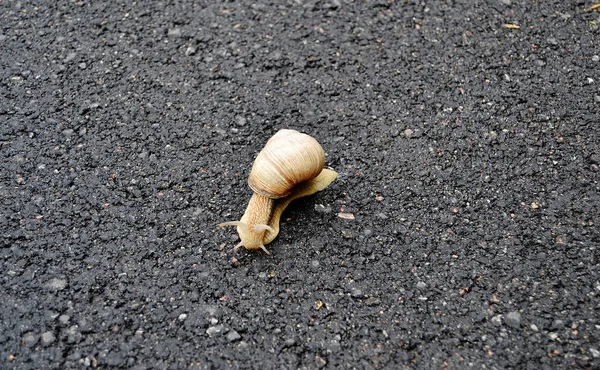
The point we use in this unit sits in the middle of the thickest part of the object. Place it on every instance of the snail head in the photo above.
(251, 235)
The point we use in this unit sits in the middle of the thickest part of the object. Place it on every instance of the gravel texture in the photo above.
(462, 231)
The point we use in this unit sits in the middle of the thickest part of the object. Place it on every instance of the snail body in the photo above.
(290, 166)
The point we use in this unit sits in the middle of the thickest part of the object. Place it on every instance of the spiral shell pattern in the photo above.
(288, 158)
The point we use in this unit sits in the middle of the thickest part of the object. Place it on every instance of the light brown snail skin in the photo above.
(289, 167)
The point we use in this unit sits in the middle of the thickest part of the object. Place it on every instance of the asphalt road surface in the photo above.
(462, 231)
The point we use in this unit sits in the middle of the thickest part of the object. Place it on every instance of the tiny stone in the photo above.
(334, 346)
(497, 320)
(315, 263)
(596, 58)
(241, 121)
(322, 209)
(597, 98)
(506, 2)
(190, 51)
(557, 324)
(30, 340)
(513, 319)
(174, 32)
(182, 317)
(346, 216)
(421, 285)
(70, 57)
(73, 330)
(82, 65)
(64, 319)
(552, 41)
(56, 284)
(48, 337)
(320, 361)
(372, 301)
(356, 293)
(408, 132)
(290, 342)
(233, 335)
(561, 239)
(214, 321)
(534, 327)
(539, 63)
(215, 330)
(595, 353)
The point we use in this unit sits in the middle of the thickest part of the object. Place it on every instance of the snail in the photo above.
(290, 166)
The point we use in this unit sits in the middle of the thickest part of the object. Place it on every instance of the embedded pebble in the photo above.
(213, 331)
(356, 293)
(48, 337)
(174, 32)
(69, 57)
(557, 324)
(372, 301)
(513, 319)
(190, 51)
(240, 120)
(322, 209)
(233, 335)
(56, 284)
(30, 339)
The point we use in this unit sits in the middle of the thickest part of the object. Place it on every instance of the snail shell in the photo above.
(288, 158)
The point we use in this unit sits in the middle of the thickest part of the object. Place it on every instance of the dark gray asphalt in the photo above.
(466, 136)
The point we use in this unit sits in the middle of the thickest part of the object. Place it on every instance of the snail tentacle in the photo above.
(262, 227)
